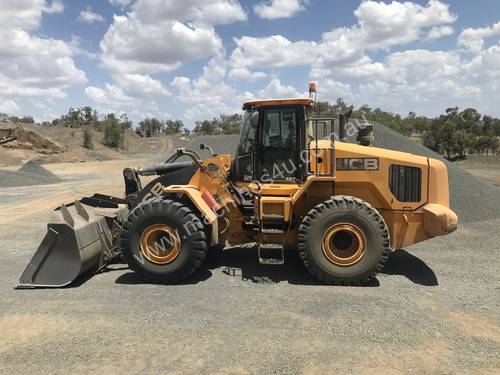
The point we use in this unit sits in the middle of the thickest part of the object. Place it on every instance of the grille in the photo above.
(405, 183)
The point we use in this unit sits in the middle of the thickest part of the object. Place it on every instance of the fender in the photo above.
(195, 196)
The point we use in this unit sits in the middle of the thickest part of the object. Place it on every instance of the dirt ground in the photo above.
(64, 145)
(433, 309)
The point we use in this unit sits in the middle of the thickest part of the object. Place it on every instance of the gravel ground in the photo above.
(430, 311)
(433, 309)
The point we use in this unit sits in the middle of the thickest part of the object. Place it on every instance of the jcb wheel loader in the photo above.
(345, 206)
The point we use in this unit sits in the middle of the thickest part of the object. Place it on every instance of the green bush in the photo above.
(113, 132)
(87, 139)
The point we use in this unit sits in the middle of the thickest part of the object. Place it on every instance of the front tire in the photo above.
(344, 241)
(163, 241)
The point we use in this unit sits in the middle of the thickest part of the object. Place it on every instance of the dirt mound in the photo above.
(30, 140)
(29, 174)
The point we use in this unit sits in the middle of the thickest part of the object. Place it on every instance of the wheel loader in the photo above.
(294, 181)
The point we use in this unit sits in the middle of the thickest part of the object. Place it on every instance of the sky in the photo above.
(195, 59)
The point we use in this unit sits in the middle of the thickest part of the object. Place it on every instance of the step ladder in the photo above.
(273, 230)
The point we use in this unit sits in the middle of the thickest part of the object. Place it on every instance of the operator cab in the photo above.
(271, 139)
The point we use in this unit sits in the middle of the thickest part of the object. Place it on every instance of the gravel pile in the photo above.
(220, 144)
(33, 167)
(471, 198)
(29, 174)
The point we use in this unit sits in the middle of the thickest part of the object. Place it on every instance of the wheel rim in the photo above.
(160, 244)
(344, 244)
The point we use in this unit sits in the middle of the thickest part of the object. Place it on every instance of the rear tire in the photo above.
(188, 235)
(344, 241)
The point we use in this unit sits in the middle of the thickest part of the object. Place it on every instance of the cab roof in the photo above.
(277, 102)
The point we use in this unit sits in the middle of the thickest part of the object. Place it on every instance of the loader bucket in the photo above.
(80, 239)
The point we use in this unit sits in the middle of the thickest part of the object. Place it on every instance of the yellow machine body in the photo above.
(408, 222)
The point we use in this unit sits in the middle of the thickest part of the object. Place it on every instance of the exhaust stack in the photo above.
(344, 117)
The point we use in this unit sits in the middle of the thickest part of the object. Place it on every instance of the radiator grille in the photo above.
(405, 183)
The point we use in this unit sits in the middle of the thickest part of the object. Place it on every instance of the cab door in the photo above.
(244, 160)
(278, 159)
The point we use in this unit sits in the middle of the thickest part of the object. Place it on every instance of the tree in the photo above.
(230, 124)
(87, 139)
(113, 131)
(88, 114)
(206, 127)
(126, 123)
(173, 126)
(222, 124)
(146, 127)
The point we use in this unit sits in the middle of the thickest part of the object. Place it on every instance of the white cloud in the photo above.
(473, 39)
(208, 95)
(111, 96)
(421, 80)
(76, 48)
(138, 85)
(275, 89)
(36, 61)
(138, 44)
(88, 16)
(198, 12)
(25, 14)
(365, 67)
(243, 74)
(56, 6)
(8, 106)
(32, 65)
(379, 26)
(159, 35)
(279, 8)
(437, 32)
(273, 51)
(330, 90)
(484, 68)
(384, 25)
(122, 3)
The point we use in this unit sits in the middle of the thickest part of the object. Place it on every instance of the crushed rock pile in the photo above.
(472, 198)
(31, 173)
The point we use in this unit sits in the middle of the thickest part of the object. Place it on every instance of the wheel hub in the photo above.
(344, 244)
(160, 244)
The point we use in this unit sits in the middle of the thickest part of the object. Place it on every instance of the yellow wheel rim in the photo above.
(344, 244)
(160, 244)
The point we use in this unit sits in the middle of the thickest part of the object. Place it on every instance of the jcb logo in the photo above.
(357, 164)
(155, 191)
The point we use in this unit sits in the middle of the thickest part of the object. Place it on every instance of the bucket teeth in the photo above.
(81, 211)
(67, 216)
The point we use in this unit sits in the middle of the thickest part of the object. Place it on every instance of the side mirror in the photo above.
(254, 119)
